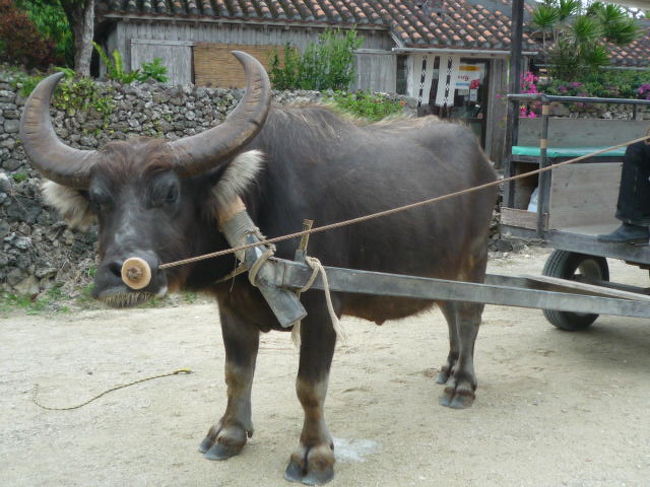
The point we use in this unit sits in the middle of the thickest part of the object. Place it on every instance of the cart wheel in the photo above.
(578, 267)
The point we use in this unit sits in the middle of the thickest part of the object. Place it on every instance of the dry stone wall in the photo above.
(37, 249)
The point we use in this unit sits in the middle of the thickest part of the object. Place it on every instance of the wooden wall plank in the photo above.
(584, 194)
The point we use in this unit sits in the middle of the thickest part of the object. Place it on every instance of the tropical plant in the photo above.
(617, 27)
(154, 70)
(115, 68)
(325, 65)
(115, 65)
(579, 35)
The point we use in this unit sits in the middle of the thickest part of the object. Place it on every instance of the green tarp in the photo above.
(522, 150)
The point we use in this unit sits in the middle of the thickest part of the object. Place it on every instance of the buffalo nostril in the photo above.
(115, 268)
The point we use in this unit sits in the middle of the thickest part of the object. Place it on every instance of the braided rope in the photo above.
(94, 398)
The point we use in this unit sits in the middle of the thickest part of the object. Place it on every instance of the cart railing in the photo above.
(546, 100)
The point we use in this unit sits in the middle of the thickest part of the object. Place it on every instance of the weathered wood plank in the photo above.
(175, 55)
(518, 218)
(584, 194)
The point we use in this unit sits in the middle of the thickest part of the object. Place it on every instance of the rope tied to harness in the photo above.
(317, 268)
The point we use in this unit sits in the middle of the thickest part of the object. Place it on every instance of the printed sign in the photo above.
(468, 73)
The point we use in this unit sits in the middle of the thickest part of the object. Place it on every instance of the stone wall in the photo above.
(600, 111)
(36, 247)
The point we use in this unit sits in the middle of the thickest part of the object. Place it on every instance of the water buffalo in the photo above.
(156, 199)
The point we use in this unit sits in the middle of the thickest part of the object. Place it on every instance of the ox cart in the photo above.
(151, 195)
(569, 206)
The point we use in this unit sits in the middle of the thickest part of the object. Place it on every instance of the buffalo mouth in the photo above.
(125, 298)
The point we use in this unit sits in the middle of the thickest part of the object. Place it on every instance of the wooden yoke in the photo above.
(239, 229)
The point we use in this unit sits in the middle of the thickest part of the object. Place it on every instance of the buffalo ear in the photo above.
(71, 203)
(236, 178)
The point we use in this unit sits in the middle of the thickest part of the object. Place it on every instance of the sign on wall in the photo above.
(468, 73)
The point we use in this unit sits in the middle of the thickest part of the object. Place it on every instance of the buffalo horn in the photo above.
(55, 160)
(201, 152)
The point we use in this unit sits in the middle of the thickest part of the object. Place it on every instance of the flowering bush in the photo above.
(606, 84)
(528, 84)
(644, 91)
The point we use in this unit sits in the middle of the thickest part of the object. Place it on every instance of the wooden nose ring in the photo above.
(136, 273)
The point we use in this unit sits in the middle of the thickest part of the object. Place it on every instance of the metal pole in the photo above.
(544, 182)
(516, 33)
(512, 124)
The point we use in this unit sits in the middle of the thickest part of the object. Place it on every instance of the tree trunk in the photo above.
(81, 16)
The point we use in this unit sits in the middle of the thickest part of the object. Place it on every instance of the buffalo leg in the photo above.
(448, 309)
(458, 373)
(313, 462)
(227, 438)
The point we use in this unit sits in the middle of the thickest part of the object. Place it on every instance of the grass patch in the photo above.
(50, 302)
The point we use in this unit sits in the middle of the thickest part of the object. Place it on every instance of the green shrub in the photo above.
(20, 41)
(50, 20)
(81, 94)
(325, 65)
(366, 105)
(115, 68)
(19, 177)
(154, 70)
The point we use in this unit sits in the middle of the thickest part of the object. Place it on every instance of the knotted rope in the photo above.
(317, 268)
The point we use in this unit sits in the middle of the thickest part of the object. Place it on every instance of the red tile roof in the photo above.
(456, 24)
(462, 24)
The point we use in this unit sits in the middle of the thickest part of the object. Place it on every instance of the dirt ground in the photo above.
(552, 409)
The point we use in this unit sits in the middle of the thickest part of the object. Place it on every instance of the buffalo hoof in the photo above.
(442, 377)
(223, 442)
(311, 466)
(457, 396)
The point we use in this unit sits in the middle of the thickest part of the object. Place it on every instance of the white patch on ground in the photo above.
(354, 450)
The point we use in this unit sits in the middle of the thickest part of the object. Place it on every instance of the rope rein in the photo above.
(392, 211)
(116, 388)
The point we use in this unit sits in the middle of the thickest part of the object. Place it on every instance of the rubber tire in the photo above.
(564, 264)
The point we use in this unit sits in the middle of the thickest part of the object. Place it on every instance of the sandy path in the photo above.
(553, 408)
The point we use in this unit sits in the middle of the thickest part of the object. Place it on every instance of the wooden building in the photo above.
(450, 55)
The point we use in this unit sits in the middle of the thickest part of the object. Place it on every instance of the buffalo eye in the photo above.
(99, 199)
(165, 191)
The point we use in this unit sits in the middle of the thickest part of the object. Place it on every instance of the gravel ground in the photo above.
(552, 409)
